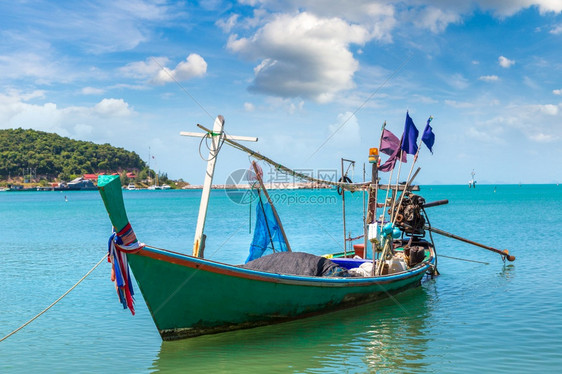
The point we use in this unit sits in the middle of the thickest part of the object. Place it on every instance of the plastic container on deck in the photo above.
(359, 250)
(396, 265)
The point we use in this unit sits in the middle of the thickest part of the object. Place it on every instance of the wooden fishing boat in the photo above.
(188, 295)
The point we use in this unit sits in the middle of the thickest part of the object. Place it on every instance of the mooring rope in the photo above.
(465, 259)
(56, 301)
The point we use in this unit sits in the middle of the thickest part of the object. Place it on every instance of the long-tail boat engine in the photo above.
(409, 216)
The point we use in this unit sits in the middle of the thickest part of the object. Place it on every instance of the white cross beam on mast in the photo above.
(216, 136)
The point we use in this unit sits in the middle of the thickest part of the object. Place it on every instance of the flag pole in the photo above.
(397, 182)
(373, 196)
(386, 199)
(408, 181)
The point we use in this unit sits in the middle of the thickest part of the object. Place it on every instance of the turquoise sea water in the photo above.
(473, 318)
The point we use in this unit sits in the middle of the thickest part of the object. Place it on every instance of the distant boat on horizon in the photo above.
(472, 181)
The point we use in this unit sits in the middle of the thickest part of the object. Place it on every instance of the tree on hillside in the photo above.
(52, 156)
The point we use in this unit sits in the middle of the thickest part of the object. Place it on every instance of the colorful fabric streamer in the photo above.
(119, 245)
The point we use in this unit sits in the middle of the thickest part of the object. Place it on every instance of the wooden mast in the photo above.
(343, 176)
(217, 137)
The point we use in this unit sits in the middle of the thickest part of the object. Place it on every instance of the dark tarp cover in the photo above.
(297, 263)
(266, 227)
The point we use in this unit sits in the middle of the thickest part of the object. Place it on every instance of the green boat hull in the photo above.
(188, 296)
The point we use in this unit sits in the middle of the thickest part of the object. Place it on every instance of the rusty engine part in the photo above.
(409, 215)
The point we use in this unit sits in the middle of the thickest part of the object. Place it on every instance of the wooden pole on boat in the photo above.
(374, 159)
(373, 195)
(504, 253)
(343, 211)
(199, 241)
(386, 198)
(266, 223)
(365, 225)
(217, 137)
(408, 181)
(397, 183)
(262, 185)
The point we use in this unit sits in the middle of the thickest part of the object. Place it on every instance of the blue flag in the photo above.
(410, 136)
(428, 137)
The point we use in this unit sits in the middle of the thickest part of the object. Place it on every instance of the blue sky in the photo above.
(313, 80)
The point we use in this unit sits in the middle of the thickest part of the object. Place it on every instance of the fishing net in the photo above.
(267, 233)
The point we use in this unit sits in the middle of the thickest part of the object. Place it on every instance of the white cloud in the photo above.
(542, 138)
(529, 82)
(381, 17)
(23, 96)
(92, 91)
(425, 99)
(486, 134)
(32, 66)
(345, 132)
(458, 104)
(111, 25)
(557, 92)
(548, 109)
(249, 107)
(112, 108)
(194, 66)
(108, 119)
(83, 130)
(489, 78)
(556, 30)
(506, 8)
(226, 25)
(290, 106)
(94, 27)
(296, 107)
(144, 69)
(505, 62)
(436, 19)
(536, 122)
(457, 81)
(302, 55)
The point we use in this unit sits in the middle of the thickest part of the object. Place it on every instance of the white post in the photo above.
(216, 136)
(199, 241)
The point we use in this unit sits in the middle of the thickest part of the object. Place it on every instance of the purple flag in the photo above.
(428, 137)
(410, 136)
(389, 164)
(390, 145)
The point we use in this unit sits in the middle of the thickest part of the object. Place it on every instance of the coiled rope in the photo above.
(205, 139)
(56, 301)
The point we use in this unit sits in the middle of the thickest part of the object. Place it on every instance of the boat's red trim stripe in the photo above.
(229, 270)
